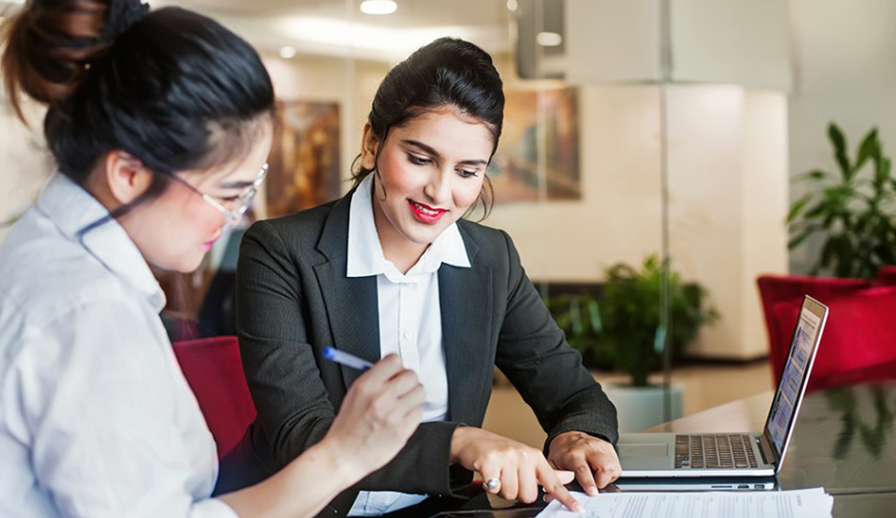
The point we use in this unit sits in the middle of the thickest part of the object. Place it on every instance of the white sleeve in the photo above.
(100, 397)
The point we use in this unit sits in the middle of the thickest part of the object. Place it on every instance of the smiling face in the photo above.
(429, 173)
(175, 230)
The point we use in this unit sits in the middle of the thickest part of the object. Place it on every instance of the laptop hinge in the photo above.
(768, 453)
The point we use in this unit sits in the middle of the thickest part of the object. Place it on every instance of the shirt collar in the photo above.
(365, 253)
(72, 209)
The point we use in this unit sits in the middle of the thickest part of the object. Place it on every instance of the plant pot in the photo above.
(638, 408)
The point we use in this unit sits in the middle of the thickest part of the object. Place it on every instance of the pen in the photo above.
(344, 358)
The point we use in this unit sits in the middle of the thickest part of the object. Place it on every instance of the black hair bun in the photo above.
(122, 15)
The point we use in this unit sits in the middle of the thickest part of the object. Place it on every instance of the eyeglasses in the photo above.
(242, 201)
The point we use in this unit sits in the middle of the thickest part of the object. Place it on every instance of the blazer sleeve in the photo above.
(532, 352)
(294, 406)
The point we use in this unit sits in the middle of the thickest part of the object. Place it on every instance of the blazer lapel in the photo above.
(465, 298)
(351, 303)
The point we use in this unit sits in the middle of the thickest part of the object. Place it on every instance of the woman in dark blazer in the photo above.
(346, 274)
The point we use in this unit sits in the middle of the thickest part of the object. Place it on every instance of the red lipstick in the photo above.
(424, 213)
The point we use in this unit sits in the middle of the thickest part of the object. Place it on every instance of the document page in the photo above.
(804, 503)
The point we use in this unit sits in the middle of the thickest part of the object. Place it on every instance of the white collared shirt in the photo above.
(96, 418)
(410, 319)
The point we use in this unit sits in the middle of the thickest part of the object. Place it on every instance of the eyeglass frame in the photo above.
(245, 197)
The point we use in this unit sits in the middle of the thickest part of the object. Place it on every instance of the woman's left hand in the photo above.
(593, 460)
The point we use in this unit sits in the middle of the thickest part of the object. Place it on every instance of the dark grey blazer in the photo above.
(294, 299)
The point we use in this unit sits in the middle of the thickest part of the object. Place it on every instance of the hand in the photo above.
(520, 469)
(593, 460)
(378, 415)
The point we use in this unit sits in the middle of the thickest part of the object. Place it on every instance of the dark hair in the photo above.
(447, 72)
(172, 88)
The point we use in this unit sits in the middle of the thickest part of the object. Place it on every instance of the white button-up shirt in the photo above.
(96, 418)
(410, 319)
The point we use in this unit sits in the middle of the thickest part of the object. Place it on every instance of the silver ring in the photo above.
(491, 484)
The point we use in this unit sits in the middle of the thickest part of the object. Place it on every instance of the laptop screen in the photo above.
(805, 340)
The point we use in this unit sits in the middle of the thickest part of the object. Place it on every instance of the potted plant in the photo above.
(621, 328)
(853, 211)
(578, 315)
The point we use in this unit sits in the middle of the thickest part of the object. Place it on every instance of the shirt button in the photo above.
(406, 335)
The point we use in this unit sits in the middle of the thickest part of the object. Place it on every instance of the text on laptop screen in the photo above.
(782, 412)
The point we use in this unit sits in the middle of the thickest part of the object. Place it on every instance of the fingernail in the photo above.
(577, 508)
(592, 490)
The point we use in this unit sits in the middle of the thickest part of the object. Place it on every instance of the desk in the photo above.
(844, 441)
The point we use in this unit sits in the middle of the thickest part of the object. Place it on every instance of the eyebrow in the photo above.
(435, 154)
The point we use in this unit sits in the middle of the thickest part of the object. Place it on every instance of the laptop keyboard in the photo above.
(714, 451)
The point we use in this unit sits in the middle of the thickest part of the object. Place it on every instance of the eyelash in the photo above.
(416, 160)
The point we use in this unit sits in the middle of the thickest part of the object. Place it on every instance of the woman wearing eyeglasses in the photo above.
(394, 268)
(159, 124)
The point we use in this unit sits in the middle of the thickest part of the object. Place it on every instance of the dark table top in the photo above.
(844, 441)
(844, 438)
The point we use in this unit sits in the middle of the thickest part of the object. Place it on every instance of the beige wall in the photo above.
(26, 165)
(845, 71)
(728, 170)
(727, 184)
(351, 83)
(618, 217)
(727, 195)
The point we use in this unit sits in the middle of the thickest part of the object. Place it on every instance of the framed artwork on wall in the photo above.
(535, 123)
(304, 166)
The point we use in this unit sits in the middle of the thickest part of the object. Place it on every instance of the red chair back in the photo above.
(875, 373)
(886, 276)
(858, 336)
(214, 370)
(780, 288)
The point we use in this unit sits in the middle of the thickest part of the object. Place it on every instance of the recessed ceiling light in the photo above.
(287, 52)
(549, 39)
(512, 5)
(378, 7)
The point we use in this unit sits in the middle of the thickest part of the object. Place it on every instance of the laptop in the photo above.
(717, 455)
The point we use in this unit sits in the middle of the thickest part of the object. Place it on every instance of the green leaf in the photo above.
(869, 148)
(594, 316)
(814, 175)
(799, 238)
(797, 207)
(882, 174)
(817, 210)
(827, 253)
(839, 142)
(843, 257)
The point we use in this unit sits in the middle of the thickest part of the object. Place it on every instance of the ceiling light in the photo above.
(378, 7)
(512, 5)
(549, 39)
(364, 39)
(287, 52)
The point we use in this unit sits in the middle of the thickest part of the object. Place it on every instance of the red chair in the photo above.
(858, 337)
(886, 276)
(792, 288)
(214, 370)
(874, 373)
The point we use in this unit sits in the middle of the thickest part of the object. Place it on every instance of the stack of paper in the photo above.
(804, 503)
